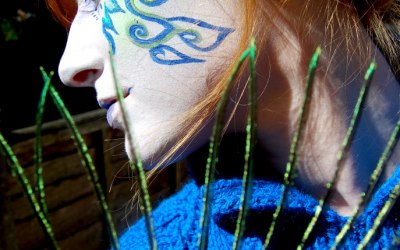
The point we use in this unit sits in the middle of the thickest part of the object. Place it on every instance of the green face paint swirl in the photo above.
(162, 30)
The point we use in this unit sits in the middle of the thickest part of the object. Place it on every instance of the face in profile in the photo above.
(167, 54)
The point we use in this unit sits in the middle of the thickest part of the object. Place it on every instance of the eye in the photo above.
(88, 5)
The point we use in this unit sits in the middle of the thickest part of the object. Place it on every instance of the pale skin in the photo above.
(162, 92)
(158, 92)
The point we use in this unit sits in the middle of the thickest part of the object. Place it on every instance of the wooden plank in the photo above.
(7, 232)
(114, 145)
(53, 171)
(68, 221)
(88, 119)
(56, 196)
(121, 207)
(88, 239)
(120, 172)
(53, 146)
(116, 165)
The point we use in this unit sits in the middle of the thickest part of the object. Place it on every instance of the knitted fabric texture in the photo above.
(176, 220)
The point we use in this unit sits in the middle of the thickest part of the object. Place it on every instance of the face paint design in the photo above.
(108, 26)
(169, 28)
(167, 55)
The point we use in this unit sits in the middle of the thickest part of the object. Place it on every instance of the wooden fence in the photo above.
(73, 209)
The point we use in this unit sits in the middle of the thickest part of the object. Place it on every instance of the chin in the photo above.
(152, 150)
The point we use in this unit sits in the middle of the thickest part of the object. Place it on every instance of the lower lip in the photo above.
(109, 115)
(110, 111)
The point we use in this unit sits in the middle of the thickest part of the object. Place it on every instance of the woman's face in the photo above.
(166, 53)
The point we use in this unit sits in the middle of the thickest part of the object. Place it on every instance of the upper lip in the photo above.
(106, 103)
(110, 106)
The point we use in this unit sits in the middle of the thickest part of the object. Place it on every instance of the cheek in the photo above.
(168, 91)
(156, 113)
(170, 37)
(169, 73)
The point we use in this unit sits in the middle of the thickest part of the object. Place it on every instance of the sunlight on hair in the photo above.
(251, 130)
(216, 137)
(394, 137)
(291, 165)
(342, 153)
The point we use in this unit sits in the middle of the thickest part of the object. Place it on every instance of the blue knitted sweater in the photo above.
(176, 220)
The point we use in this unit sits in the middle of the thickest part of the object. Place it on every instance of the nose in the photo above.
(83, 60)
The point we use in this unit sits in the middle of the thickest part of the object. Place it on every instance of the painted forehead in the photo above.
(168, 29)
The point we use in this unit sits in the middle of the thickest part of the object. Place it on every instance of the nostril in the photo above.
(85, 76)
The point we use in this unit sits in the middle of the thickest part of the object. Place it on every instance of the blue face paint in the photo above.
(162, 49)
(191, 38)
(110, 8)
(152, 3)
(171, 28)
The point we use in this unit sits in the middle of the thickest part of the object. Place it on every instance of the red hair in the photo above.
(64, 11)
(380, 18)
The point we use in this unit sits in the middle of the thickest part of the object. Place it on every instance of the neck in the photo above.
(282, 70)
